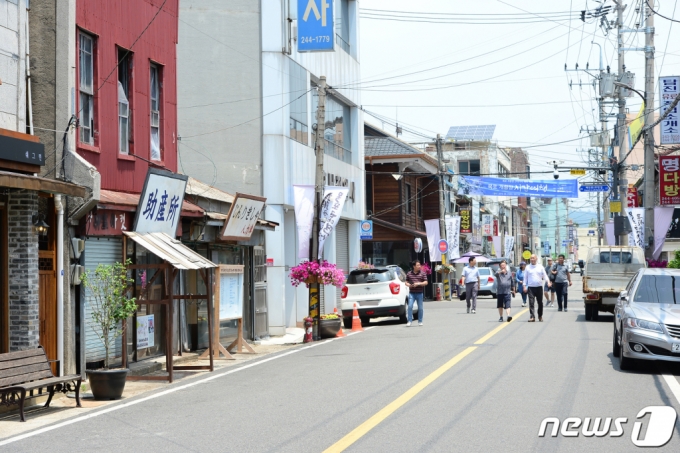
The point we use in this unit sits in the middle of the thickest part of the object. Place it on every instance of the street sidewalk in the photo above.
(64, 407)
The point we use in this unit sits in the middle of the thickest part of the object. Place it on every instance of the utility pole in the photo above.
(558, 244)
(650, 192)
(442, 211)
(621, 184)
(314, 288)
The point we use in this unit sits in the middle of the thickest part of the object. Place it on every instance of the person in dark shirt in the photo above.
(416, 280)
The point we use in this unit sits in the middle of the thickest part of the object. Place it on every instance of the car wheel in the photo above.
(589, 312)
(616, 347)
(403, 319)
(347, 322)
(596, 313)
(364, 321)
(493, 295)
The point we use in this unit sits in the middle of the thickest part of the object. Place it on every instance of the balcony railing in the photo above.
(337, 151)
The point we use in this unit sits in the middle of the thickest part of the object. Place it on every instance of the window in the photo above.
(658, 289)
(408, 198)
(338, 130)
(298, 106)
(155, 96)
(124, 91)
(342, 24)
(502, 171)
(470, 167)
(369, 276)
(86, 88)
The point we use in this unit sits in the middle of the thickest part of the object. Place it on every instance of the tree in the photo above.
(593, 223)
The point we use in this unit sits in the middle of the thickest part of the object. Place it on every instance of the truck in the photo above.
(607, 272)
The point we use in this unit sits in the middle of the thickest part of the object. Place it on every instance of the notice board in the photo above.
(230, 291)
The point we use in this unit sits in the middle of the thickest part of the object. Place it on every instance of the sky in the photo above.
(501, 62)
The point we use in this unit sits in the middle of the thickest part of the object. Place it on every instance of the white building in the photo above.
(259, 114)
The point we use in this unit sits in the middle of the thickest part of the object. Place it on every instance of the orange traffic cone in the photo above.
(356, 322)
(340, 333)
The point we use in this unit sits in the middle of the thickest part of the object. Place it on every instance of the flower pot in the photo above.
(311, 279)
(328, 328)
(107, 384)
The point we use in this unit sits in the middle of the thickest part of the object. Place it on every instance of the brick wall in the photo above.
(24, 328)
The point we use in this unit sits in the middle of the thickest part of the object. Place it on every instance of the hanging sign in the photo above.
(316, 32)
(487, 222)
(509, 245)
(526, 255)
(443, 246)
(495, 227)
(453, 236)
(514, 187)
(636, 216)
(577, 172)
(632, 197)
(546, 248)
(160, 203)
(304, 217)
(331, 208)
(366, 229)
(669, 88)
(476, 223)
(242, 217)
(418, 245)
(465, 220)
(614, 206)
(669, 175)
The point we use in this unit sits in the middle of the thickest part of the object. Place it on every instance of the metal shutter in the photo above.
(98, 251)
(341, 251)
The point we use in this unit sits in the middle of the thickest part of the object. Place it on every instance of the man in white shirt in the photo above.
(471, 281)
(534, 276)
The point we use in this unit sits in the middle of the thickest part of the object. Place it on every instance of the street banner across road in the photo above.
(514, 187)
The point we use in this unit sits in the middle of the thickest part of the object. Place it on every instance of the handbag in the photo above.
(551, 276)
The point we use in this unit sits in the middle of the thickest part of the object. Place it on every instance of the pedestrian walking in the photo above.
(562, 282)
(520, 283)
(534, 278)
(416, 280)
(505, 290)
(549, 290)
(471, 281)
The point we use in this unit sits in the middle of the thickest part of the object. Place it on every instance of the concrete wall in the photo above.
(218, 68)
(12, 65)
(24, 322)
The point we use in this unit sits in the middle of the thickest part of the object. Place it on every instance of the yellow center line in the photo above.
(361, 430)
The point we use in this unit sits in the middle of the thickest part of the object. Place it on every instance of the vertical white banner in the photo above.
(497, 246)
(331, 208)
(663, 216)
(636, 216)
(304, 217)
(453, 236)
(509, 244)
(433, 236)
(476, 224)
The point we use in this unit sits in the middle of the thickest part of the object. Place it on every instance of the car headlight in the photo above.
(642, 324)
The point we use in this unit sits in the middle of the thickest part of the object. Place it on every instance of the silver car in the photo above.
(647, 318)
(487, 284)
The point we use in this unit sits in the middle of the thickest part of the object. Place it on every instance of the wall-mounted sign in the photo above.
(465, 220)
(105, 222)
(160, 204)
(443, 246)
(24, 151)
(231, 291)
(487, 224)
(632, 197)
(418, 245)
(242, 217)
(669, 180)
(526, 254)
(614, 206)
(669, 88)
(366, 229)
(146, 328)
(316, 32)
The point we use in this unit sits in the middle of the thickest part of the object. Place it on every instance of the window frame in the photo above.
(298, 130)
(159, 109)
(126, 68)
(469, 171)
(85, 92)
(408, 195)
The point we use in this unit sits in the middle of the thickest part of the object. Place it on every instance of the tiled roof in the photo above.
(388, 146)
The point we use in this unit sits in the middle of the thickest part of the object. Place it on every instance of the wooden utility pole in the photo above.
(650, 186)
(442, 212)
(621, 188)
(314, 288)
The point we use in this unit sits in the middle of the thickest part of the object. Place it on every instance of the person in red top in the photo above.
(416, 280)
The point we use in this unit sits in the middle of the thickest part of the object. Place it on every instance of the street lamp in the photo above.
(39, 225)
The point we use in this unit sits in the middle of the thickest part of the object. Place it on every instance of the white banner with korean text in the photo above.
(304, 217)
(636, 216)
(453, 236)
(433, 231)
(331, 208)
(242, 217)
(509, 245)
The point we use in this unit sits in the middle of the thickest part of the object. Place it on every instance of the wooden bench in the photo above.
(23, 371)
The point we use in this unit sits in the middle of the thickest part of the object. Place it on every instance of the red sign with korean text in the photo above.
(632, 197)
(495, 227)
(669, 175)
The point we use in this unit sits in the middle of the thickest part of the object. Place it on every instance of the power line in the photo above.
(661, 15)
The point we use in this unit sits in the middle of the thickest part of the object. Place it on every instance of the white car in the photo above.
(378, 293)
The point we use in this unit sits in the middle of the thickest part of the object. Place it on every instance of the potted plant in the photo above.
(444, 268)
(329, 325)
(324, 273)
(108, 286)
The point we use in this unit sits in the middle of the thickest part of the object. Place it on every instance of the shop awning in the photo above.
(400, 228)
(171, 250)
(29, 182)
(123, 201)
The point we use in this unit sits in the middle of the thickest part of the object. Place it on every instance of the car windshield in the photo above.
(494, 267)
(658, 289)
(369, 276)
(484, 271)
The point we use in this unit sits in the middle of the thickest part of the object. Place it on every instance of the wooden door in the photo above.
(48, 305)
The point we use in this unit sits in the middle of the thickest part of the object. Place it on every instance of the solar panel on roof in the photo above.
(474, 133)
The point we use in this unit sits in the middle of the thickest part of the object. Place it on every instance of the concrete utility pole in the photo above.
(621, 187)
(558, 244)
(442, 211)
(650, 187)
(314, 288)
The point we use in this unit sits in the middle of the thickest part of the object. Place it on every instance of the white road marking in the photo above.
(159, 394)
(673, 384)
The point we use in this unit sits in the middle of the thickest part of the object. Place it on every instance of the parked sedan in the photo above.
(379, 292)
(647, 318)
(487, 284)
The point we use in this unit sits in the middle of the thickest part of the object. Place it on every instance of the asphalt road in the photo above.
(395, 389)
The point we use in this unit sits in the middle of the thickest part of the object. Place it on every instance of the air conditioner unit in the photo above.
(607, 87)
(78, 247)
(76, 274)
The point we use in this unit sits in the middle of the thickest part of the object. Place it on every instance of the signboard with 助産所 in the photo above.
(160, 203)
